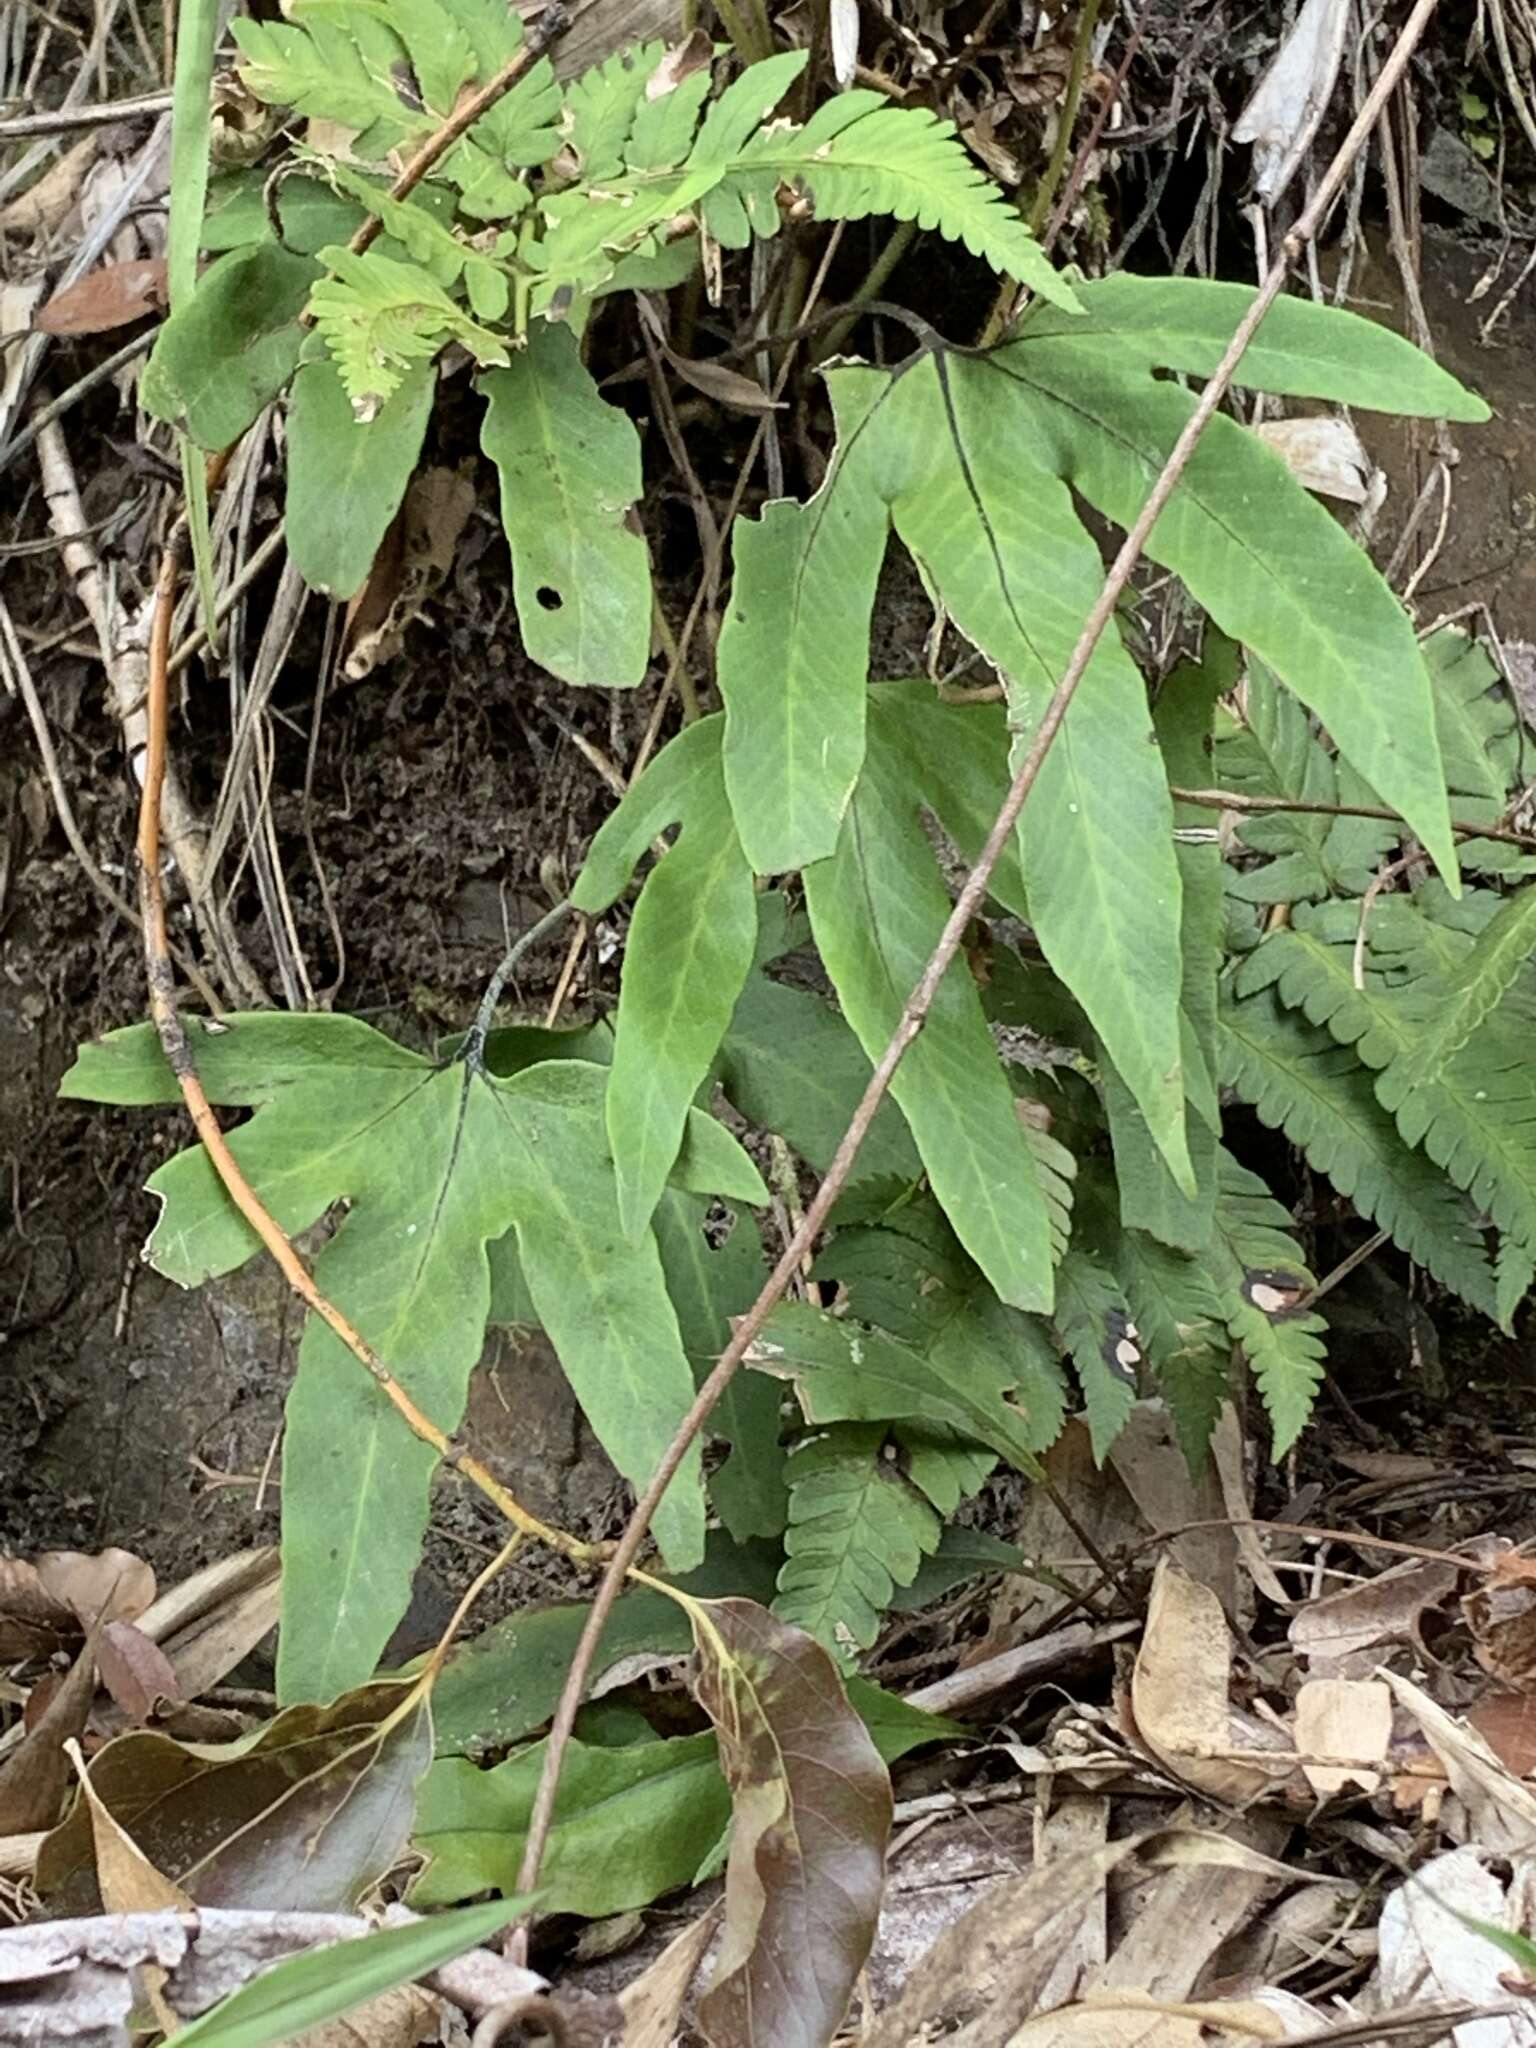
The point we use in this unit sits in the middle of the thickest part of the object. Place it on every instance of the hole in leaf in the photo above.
(549, 597)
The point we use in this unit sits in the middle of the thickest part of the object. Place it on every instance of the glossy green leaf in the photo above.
(689, 950)
(569, 465)
(306, 1991)
(997, 537)
(877, 909)
(435, 1161)
(1302, 349)
(232, 347)
(1269, 562)
(347, 477)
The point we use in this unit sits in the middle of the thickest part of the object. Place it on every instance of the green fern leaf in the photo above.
(1267, 561)
(1260, 1275)
(1477, 1122)
(942, 1465)
(1057, 1168)
(1181, 1328)
(600, 108)
(1094, 1322)
(858, 155)
(332, 65)
(378, 317)
(857, 1530)
(1316, 1091)
(427, 241)
(1470, 995)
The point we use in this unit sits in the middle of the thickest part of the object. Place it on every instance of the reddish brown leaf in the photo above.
(112, 296)
(812, 1814)
(36, 1774)
(310, 1811)
(1507, 1723)
(134, 1670)
(110, 1585)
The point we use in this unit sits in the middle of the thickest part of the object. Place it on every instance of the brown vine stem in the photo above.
(1236, 800)
(966, 905)
(178, 1053)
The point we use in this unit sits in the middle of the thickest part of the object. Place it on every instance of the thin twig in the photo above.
(64, 119)
(967, 904)
(1236, 800)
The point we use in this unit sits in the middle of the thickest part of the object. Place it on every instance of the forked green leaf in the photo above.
(811, 1814)
(305, 1991)
(347, 477)
(1265, 559)
(794, 649)
(435, 1160)
(997, 537)
(1302, 350)
(569, 465)
(688, 953)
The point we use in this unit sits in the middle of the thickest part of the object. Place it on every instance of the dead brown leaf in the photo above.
(1507, 1723)
(35, 1776)
(1349, 1722)
(129, 1882)
(44, 204)
(1501, 1808)
(653, 2003)
(33, 1621)
(113, 296)
(1341, 1634)
(136, 1672)
(106, 1585)
(414, 556)
(1180, 1694)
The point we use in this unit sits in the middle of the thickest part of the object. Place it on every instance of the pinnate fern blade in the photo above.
(857, 1530)
(1262, 1277)
(1321, 1096)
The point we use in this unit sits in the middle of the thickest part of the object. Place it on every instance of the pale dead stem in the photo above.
(967, 904)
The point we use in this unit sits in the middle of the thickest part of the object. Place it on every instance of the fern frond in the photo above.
(1057, 1170)
(338, 67)
(1181, 1328)
(1479, 744)
(378, 317)
(857, 1530)
(1260, 1274)
(600, 107)
(859, 155)
(1094, 1322)
(945, 1466)
(1316, 1091)
(435, 247)
(1487, 971)
(1477, 1122)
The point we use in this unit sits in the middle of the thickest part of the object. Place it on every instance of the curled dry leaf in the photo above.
(1180, 1694)
(112, 296)
(1341, 1634)
(42, 207)
(128, 1881)
(1429, 1955)
(33, 1621)
(35, 1776)
(1283, 115)
(811, 1804)
(1500, 1808)
(107, 1585)
(1325, 455)
(310, 1811)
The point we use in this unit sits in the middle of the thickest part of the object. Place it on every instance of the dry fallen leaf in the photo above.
(33, 1621)
(1180, 1694)
(136, 1672)
(1340, 1635)
(1324, 455)
(1500, 1808)
(35, 1776)
(1348, 1720)
(107, 1585)
(41, 208)
(112, 296)
(653, 2003)
(1429, 1955)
